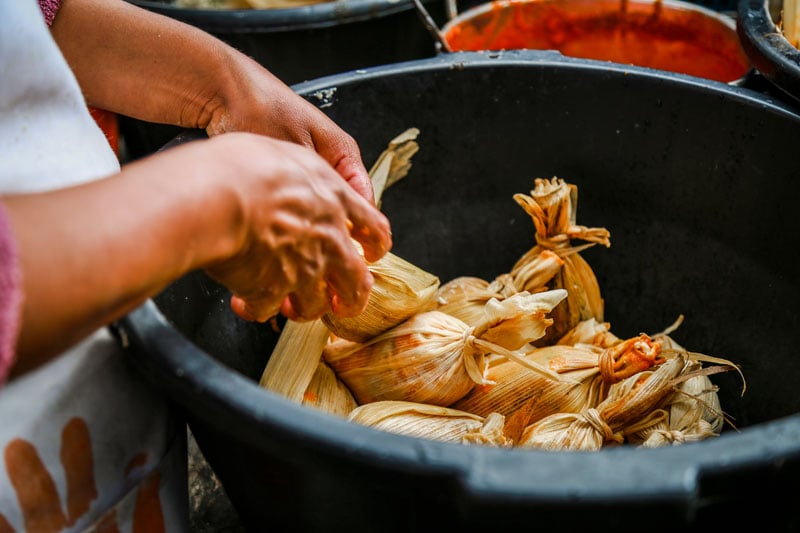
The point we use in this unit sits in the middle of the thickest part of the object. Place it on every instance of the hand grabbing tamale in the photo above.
(400, 290)
(436, 358)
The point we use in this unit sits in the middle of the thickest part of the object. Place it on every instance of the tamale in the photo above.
(431, 422)
(326, 392)
(400, 290)
(435, 358)
(628, 402)
(294, 360)
(552, 205)
(465, 297)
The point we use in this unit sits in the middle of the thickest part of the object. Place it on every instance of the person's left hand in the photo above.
(258, 102)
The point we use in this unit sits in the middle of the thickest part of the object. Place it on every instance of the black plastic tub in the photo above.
(685, 174)
(768, 49)
(301, 43)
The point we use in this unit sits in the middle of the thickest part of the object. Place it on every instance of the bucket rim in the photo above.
(313, 16)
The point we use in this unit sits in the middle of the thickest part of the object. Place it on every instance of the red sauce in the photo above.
(648, 34)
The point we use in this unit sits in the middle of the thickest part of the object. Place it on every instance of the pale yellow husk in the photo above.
(431, 422)
(401, 290)
(552, 205)
(327, 393)
(627, 403)
(435, 358)
(295, 358)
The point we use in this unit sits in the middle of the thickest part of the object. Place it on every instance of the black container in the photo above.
(685, 174)
(771, 53)
(301, 43)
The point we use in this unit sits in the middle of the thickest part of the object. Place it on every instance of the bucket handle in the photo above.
(430, 24)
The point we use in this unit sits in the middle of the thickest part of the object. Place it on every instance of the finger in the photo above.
(369, 227)
(309, 302)
(254, 310)
(349, 283)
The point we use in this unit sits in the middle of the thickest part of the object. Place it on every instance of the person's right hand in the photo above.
(269, 219)
(295, 220)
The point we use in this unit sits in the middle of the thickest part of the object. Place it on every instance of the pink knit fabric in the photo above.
(10, 295)
(49, 9)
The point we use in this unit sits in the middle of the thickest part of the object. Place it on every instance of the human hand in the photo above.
(261, 103)
(293, 224)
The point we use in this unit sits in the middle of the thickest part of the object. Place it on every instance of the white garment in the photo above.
(48, 140)
(47, 137)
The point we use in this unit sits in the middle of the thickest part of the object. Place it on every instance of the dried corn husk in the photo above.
(511, 386)
(282, 4)
(552, 205)
(297, 354)
(465, 297)
(435, 358)
(326, 392)
(400, 290)
(432, 422)
(295, 358)
(590, 331)
(628, 402)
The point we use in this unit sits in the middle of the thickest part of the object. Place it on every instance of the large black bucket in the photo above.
(301, 43)
(687, 176)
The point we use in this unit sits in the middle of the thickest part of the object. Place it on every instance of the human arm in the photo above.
(148, 66)
(269, 219)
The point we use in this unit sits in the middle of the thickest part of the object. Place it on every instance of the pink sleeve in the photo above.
(10, 295)
(49, 9)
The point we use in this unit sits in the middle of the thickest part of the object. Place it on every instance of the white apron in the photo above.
(86, 444)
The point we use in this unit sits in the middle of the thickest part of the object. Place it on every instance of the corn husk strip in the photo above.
(552, 206)
(696, 400)
(490, 434)
(400, 290)
(294, 359)
(790, 22)
(534, 274)
(282, 4)
(590, 331)
(327, 393)
(519, 319)
(512, 386)
(465, 297)
(394, 163)
(431, 422)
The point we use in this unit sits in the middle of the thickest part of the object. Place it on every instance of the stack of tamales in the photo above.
(523, 360)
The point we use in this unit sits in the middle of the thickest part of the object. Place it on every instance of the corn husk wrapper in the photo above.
(432, 422)
(552, 206)
(297, 354)
(590, 331)
(327, 393)
(401, 290)
(282, 4)
(511, 386)
(295, 358)
(435, 358)
(628, 402)
(465, 297)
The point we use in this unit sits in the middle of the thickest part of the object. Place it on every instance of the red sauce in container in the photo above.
(667, 35)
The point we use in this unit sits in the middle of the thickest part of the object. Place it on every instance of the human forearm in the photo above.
(138, 63)
(91, 253)
(270, 220)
